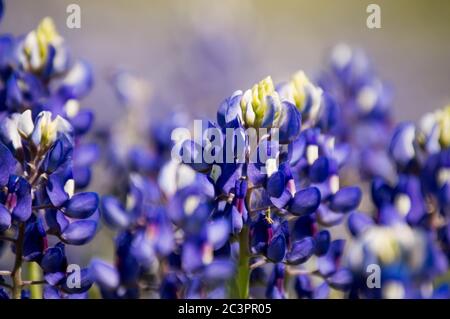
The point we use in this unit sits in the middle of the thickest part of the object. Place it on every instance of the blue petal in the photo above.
(218, 233)
(323, 239)
(79, 232)
(301, 251)
(82, 205)
(381, 192)
(7, 164)
(104, 274)
(22, 189)
(327, 217)
(303, 227)
(86, 154)
(84, 285)
(327, 264)
(142, 249)
(82, 122)
(78, 82)
(219, 270)
(191, 256)
(59, 153)
(276, 184)
(56, 221)
(322, 291)
(346, 199)
(303, 286)
(358, 223)
(341, 279)
(229, 110)
(55, 189)
(114, 213)
(402, 144)
(291, 123)
(277, 248)
(35, 241)
(297, 150)
(305, 201)
(54, 259)
(320, 170)
(51, 292)
(192, 154)
(82, 176)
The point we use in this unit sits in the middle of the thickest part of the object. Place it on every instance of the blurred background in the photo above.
(192, 54)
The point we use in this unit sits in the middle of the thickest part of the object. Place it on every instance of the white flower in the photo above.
(25, 124)
(46, 130)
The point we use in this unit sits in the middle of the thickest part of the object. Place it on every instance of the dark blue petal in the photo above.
(54, 278)
(323, 239)
(114, 213)
(54, 259)
(320, 170)
(327, 217)
(58, 154)
(301, 251)
(22, 190)
(276, 184)
(328, 263)
(82, 176)
(341, 279)
(304, 227)
(56, 221)
(305, 201)
(104, 274)
(35, 240)
(290, 124)
(7, 164)
(169, 286)
(297, 150)
(303, 286)
(358, 223)
(381, 192)
(3, 294)
(82, 122)
(55, 189)
(346, 199)
(84, 284)
(82, 205)
(277, 248)
(79, 232)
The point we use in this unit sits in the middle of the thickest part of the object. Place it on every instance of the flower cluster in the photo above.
(43, 164)
(224, 220)
(408, 236)
(290, 192)
(365, 106)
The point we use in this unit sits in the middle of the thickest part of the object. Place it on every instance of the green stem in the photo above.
(35, 275)
(240, 285)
